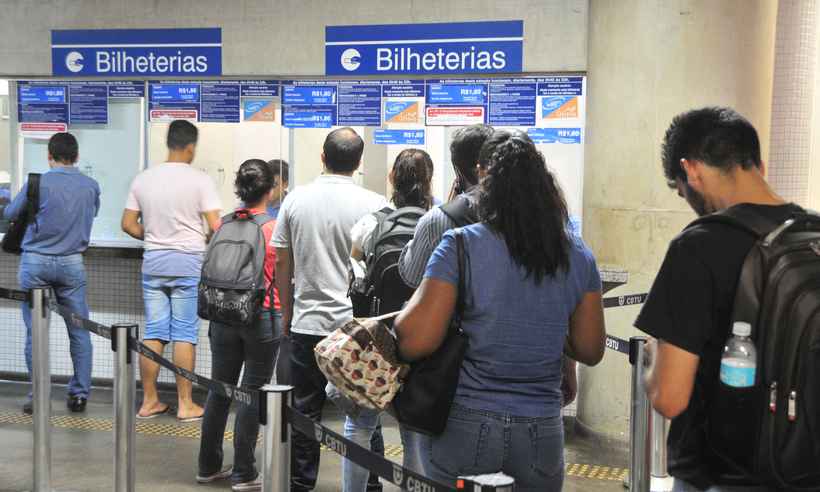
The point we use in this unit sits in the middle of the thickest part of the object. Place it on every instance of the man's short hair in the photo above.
(281, 168)
(181, 133)
(63, 148)
(718, 137)
(343, 150)
(465, 147)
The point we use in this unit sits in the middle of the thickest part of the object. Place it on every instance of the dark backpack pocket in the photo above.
(732, 412)
(799, 452)
(233, 307)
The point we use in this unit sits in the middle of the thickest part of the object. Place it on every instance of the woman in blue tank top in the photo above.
(533, 294)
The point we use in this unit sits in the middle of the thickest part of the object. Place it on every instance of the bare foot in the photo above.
(149, 410)
(190, 412)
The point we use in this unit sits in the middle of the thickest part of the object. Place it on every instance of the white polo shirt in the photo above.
(315, 222)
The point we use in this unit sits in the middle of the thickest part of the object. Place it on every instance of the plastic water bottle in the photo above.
(739, 362)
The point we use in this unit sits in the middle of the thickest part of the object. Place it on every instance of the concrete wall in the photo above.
(648, 61)
(291, 30)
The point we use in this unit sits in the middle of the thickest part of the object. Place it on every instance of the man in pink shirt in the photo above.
(168, 208)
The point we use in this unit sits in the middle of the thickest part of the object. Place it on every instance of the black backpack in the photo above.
(232, 287)
(13, 239)
(382, 290)
(771, 431)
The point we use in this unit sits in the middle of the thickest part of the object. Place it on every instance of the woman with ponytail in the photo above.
(233, 347)
(410, 179)
(533, 293)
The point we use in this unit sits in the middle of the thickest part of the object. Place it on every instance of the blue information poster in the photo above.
(360, 103)
(452, 94)
(398, 137)
(259, 88)
(42, 103)
(555, 135)
(308, 116)
(309, 94)
(174, 100)
(126, 88)
(220, 102)
(403, 88)
(512, 103)
(88, 103)
(561, 86)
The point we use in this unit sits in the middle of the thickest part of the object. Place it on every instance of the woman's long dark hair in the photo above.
(254, 180)
(411, 176)
(521, 200)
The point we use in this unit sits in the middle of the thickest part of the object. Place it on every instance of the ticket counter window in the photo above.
(5, 146)
(112, 154)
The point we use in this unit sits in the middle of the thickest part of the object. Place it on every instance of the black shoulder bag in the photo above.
(13, 240)
(423, 404)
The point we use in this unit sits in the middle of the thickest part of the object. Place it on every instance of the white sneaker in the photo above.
(255, 484)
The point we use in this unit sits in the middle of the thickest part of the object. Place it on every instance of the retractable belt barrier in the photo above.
(15, 295)
(615, 343)
(386, 469)
(234, 393)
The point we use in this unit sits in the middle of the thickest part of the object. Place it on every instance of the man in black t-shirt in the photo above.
(712, 157)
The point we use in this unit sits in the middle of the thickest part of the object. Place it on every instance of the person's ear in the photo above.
(692, 170)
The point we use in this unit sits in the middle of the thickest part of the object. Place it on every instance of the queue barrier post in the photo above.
(660, 480)
(495, 482)
(41, 391)
(639, 459)
(276, 437)
(124, 416)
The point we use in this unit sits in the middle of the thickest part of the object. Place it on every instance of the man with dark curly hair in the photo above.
(711, 156)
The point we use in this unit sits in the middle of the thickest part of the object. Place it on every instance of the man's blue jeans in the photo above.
(66, 276)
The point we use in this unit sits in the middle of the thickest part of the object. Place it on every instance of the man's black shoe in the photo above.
(28, 407)
(76, 403)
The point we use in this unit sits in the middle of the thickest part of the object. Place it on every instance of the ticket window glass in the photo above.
(112, 154)
(223, 147)
(5, 145)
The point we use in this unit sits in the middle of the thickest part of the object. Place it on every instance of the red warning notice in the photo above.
(169, 115)
(42, 130)
(452, 116)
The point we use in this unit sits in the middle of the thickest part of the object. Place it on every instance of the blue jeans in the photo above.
(476, 442)
(66, 276)
(359, 430)
(231, 349)
(170, 308)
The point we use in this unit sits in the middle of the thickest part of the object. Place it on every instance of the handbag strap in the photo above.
(462, 280)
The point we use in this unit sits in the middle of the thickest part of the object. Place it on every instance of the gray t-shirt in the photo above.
(315, 222)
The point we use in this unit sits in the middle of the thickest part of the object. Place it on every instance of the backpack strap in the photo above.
(262, 219)
(740, 217)
(460, 211)
(32, 198)
(367, 249)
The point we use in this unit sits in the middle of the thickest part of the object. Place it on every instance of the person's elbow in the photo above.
(670, 404)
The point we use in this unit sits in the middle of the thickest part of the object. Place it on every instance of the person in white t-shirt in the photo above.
(312, 240)
(165, 208)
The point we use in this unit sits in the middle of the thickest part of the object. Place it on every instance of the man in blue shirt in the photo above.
(52, 253)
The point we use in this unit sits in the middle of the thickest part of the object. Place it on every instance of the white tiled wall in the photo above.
(793, 100)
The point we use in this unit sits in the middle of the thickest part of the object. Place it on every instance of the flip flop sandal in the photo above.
(190, 419)
(156, 414)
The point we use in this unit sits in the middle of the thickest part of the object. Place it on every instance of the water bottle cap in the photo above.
(742, 329)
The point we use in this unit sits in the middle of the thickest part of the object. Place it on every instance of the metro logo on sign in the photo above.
(460, 47)
(136, 52)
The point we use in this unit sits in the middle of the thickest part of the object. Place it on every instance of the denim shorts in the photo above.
(170, 308)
